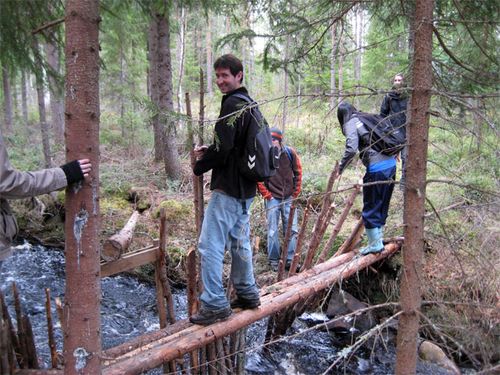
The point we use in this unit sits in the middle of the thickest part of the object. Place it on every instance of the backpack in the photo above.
(383, 136)
(258, 159)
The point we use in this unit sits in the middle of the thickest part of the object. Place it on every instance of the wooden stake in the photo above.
(21, 330)
(50, 329)
(300, 239)
(336, 229)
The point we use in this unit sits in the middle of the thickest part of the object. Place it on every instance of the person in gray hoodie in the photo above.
(15, 184)
(380, 168)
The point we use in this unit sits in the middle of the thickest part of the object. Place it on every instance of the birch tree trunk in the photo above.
(414, 205)
(181, 46)
(55, 89)
(44, 127)
(82, 340)
(7, 100)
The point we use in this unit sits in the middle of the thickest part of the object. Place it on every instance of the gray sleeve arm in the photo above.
(351, 142)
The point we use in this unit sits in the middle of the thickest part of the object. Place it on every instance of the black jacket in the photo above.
(221, 156)
(394, 106)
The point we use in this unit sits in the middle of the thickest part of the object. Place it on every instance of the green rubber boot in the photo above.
(375, 244)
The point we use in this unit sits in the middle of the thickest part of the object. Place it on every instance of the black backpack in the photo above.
(383, 136)
(258, 159)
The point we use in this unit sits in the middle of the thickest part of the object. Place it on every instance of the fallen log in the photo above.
(307, 283)
(119, 243)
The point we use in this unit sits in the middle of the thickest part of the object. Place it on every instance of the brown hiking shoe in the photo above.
(206, 317)
(245, 303)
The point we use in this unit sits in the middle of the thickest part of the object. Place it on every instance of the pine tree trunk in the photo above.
(153, 88)
(209, 72)
(56, 99)
(341, 71)
(122, 87)
(24, 98)
(285, 84)
(44, 127)
(333, 62)
(165, 96)
(82, 340)
(7, 101)
(414, 205)
(359, 52)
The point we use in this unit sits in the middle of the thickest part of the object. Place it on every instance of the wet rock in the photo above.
(342, 303)
(430, 352)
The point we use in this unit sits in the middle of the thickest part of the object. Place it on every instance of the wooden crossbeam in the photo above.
(130, 260)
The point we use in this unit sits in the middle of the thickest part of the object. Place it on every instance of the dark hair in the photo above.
(344, 113)
(230, 62)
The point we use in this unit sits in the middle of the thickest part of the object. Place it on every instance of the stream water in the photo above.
(128, 309)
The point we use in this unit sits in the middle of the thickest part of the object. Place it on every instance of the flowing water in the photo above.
(128, 309)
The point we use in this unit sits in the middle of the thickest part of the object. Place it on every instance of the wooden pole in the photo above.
(14, 341)
(21, 329)
(338, 225)
(286, 241)
(119, 243)
(50, 329)
(300, 238)
(278, 298)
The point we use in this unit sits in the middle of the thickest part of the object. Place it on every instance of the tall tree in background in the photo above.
(44, 126)
(24, 98)
(82, 342)
(414, 204)
(52, 50)
(7, 100)
(163, 99)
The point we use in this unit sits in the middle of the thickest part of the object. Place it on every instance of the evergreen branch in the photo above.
(472, 35)
(47, 26)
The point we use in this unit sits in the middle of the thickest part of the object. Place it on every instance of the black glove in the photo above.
(73, 171)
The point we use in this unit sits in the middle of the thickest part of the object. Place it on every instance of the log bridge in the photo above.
(220, 347)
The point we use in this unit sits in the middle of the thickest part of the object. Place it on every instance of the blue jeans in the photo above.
(376, 198)
(275, 209)
(226, 224)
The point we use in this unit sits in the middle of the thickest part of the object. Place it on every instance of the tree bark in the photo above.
(44, 127)
(414, 207)
(181, 46)
(7, 100)
(153, 88)
(55, 89)
(119, 243)
(209, 70)
(82, 324)
(333, 62)
(165, 98)
(24, 98)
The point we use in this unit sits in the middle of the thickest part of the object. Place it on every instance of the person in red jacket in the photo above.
(279, 192)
